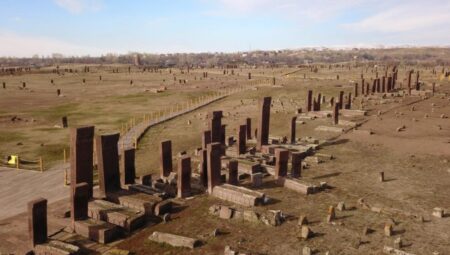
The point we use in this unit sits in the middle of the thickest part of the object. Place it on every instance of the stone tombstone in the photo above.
(4, 85)
(215, 125)
(81, 156)
(242, 139)
(204, 167)
(184, 177)
(37, 221)
(309, 101)
(64, 122)
(264, 122)
(206, 138)
(296, 164)
(249, 76)
(349, 101)
(223, 134)
(356, 90)
(383, 84)
(248, 125)
(58, 92)
(417, 81)
(108, 163)
(233, 172)
(127, 167)
(336, 114)
(165, 158)
(281, 164)
(362, 87)
(293, 129)
(341, 99)
(214, 165)
(79, 197)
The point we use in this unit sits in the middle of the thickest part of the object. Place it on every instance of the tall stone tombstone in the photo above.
(214, 165)
(409, 81)
(165, 158)
(341, 99)
(296, 164)
(309, 101)
(362, 87)
(367, 88)
(336, 114)
(233, 172)
(319, 100)
(127, 167)
(389, 84)
(204, 167)
(417, 81)
(64, 122)
(264, 122)
(349, 101)
(433, 89)
(215, 125)
(356, 90)
(293, 129)
(206, 138)
(223, 129)
(281, 164)
(81, 156)
(79, 198)
(383, 85)
(242, 139)
(184, 177)
(248, 124)
(108, 163)
(37, 221)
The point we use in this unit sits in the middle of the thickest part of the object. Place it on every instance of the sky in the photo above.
(98, 27)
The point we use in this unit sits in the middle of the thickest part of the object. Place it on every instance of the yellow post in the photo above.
(17, 162)
(65, 177)
(41, 164)
(65, 159)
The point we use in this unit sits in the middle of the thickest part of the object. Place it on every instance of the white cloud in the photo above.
(79, 6)
(12, 44)
(407, 17)
(317, 10)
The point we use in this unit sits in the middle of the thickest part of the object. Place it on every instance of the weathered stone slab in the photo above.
(297, 185)
(329, 129)
(136, 200)
(263, 122)
(174, 240)
(390, 250)
(56, 247)
(362, 132)
(319, 114)
(347, 123)
(126, 218)
(98, 231)
(352, 113)
(238, 195)
(108, 163)
(81, 156)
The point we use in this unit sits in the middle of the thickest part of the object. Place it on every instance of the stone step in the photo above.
(97, 230)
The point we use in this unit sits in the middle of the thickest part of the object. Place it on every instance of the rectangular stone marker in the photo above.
(37, 221)
(174, 240)
(184, 177)
(79, 197)
(204, 167)
(108, 163)
(214, 165)
(127, 167)
(349, 102)
(383, 84)
(223, 134)
(165, 158)
(215, 125)
(248, 125)
(356, 90)
(281, 164)
(296, 164)
(341, 99)
(81, 156)
(206, 138)
(264, 122)
(64, 122)
(233, 172)
(336, 114)
(293, 128)
(309, 101)
(242, 139)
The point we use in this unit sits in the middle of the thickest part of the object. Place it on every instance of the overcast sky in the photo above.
(95, 27)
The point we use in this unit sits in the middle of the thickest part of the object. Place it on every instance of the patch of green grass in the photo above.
(11, 136)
